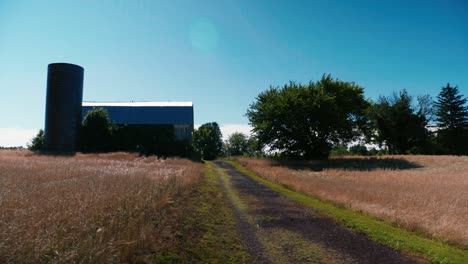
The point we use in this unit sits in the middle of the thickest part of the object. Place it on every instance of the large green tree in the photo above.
(207, 140)
(400, 125)
(306, 121)
(452, 121)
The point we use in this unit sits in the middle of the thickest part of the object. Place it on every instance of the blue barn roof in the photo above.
(145, 113)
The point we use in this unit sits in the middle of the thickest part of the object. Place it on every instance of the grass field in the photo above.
(87, 208)
(421, 193)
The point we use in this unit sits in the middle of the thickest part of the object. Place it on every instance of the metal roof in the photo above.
(139, 104)
(141, 113)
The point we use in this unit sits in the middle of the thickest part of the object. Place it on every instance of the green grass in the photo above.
(286, 246)
(206, 232)
(377, 230)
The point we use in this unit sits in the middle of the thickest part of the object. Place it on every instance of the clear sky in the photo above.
(221, 54)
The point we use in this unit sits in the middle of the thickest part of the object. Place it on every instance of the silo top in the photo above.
(63, 65)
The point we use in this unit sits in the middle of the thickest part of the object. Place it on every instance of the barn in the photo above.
(177, 114)
(161, 128)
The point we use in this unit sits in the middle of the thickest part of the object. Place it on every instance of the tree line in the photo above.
(98, 134)
(208, 143)
(311, 120)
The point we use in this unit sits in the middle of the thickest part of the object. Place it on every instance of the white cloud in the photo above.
(15, 137)
(228, 129)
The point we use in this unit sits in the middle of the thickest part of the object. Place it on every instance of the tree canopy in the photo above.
(207, 140)
(308, 120)
(240, 144)
(451, 109)
(399, 124)
(452, 120)
(237, 144)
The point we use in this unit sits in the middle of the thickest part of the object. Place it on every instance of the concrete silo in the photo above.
(63, 107)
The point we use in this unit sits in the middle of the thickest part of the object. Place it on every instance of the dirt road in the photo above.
(275, 229)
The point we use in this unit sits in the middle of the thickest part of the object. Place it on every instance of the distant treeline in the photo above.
(12, 148)
(321, 118)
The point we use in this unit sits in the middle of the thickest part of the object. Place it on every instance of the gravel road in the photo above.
(275, 229)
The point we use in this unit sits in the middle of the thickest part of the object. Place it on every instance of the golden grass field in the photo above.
(423, 193)
(97, 208)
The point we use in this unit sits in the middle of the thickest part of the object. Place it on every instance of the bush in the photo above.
(340, 150)
(359, 150)
(37, 143)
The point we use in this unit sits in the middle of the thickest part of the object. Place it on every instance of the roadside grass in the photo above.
(378, 230)
(204, 231)
(424, 194)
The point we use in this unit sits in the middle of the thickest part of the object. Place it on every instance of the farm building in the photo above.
(177, 114)
(162, 128)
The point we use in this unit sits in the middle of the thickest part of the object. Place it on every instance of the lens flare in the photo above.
(203, 35)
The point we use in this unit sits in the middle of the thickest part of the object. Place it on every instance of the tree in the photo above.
(400, 125)
(37, 143)
(306, 121)
(254, 148)
(452, 120)
(359, 149)
(237, 144)
(207, 140)
(96, 134)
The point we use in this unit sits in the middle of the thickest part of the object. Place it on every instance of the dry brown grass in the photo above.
(97, 208)
(431, 197)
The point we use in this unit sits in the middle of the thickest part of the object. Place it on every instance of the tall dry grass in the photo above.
(424, 193)
(97, 208)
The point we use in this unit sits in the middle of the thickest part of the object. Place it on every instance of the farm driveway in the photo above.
(275, 229)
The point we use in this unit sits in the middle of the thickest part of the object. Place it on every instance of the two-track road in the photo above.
(275, 229)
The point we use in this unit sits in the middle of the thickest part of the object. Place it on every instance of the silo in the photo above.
(63, 107)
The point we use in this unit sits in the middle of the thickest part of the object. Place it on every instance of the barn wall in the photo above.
(172, 115)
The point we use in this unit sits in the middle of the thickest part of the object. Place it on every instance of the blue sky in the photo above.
(221, 54)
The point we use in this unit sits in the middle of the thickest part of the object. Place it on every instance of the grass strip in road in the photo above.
(377, 230)
(205, 229)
